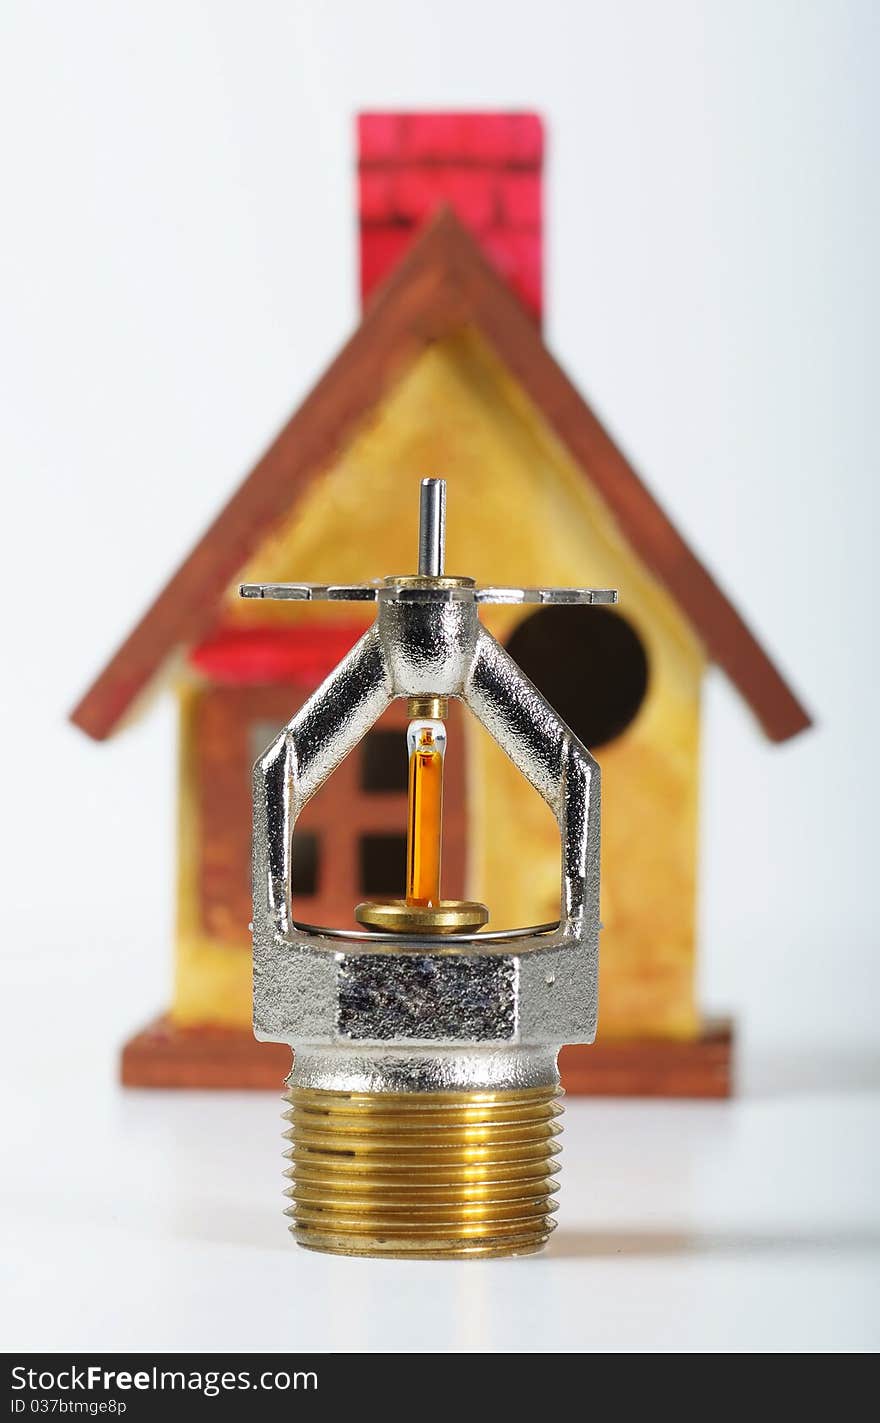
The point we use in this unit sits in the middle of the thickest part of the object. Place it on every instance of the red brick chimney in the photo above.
(487, 167)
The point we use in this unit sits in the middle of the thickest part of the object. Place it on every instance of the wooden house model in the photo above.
(447, 374)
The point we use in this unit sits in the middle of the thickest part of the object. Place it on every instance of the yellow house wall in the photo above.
(520, 510)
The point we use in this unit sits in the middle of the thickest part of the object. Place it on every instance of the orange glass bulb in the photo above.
(427, 745)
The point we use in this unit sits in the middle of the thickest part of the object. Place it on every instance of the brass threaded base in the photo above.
(422, 1175)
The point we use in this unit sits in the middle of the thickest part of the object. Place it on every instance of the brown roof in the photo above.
(442, 284)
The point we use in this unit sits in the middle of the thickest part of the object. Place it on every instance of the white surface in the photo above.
(177, 264)
(153, 1221)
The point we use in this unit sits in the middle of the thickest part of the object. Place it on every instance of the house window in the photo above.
(383, 762)
(382, 865)
(590, 664)
(304, 865)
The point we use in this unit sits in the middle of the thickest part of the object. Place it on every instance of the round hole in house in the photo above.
(589, 663)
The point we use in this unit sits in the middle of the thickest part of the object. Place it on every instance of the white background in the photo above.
(177, 265)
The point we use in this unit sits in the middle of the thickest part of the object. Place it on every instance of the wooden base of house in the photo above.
(164, 1055)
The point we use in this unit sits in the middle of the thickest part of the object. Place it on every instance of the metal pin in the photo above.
(432, 527)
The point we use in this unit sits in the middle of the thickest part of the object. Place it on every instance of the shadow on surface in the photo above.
(639, 1244)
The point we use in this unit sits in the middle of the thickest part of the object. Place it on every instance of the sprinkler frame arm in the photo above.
(424, 643)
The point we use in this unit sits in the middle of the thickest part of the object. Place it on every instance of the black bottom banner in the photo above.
(249, 1386)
